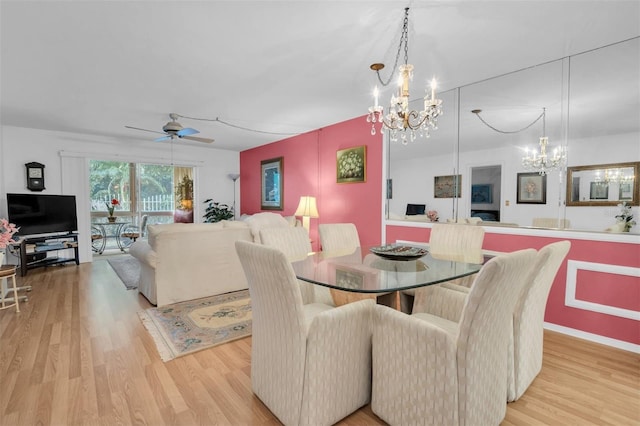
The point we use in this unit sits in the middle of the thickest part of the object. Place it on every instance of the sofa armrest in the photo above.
(142, 251)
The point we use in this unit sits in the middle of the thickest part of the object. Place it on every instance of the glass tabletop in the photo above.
(365, 272)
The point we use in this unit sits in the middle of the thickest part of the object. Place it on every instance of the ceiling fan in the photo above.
(173, 130)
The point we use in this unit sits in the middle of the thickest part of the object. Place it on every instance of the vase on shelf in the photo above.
(111, 219)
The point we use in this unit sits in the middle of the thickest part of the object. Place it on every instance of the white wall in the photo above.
(66, 157)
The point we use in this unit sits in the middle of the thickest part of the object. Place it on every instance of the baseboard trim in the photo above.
(608, 341)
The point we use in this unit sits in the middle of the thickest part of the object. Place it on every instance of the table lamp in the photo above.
(307, 209)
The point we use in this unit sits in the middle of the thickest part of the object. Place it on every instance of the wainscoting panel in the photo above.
(573, 266)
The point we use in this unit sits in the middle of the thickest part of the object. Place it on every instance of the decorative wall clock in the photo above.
(35, 176)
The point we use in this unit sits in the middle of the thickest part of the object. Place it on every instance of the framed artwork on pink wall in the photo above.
(272, 178)
(351, 165)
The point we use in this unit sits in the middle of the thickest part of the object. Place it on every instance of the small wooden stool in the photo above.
(9, 271)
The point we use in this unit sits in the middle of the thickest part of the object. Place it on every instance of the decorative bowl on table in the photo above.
(399, 252)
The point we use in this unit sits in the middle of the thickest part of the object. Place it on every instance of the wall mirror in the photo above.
(594, 119)
(603, 184)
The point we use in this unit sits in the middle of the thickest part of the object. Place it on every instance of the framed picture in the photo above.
(482, 193)
(349, 279)
(599, 191)
(532, 188)
(447, 186)
(272, 179)
(626, 191)
(351, 165)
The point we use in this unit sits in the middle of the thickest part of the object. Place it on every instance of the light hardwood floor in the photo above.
(78, 354)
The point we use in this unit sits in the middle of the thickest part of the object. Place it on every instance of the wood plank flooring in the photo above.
(77, 354)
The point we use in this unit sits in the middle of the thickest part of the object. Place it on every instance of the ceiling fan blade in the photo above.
(195, 138)
(164, 138)
(186, 132)
(144, 130)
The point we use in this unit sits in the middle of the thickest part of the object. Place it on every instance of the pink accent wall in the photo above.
(310, 169)
(603, 288)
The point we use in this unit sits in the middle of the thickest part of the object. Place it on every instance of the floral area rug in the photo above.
(186, 327)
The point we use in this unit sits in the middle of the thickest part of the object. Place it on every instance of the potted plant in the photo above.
(215, 212)
(183, 212)
(184, 193)
(110, 208)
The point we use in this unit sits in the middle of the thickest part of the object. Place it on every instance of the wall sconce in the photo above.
(307, 209)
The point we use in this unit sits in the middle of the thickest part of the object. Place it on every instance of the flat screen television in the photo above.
(415, 209)
(42, 214)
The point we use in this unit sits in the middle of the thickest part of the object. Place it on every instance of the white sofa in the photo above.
(181, 261)
(185, 261)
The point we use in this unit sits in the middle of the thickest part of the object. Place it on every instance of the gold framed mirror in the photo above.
(603, 184)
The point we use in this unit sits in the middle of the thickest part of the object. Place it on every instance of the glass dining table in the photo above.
(365, 272)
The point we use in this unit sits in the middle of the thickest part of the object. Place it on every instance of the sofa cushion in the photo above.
(234, 224)
(154, 230)
(291, 220)
(259, 221)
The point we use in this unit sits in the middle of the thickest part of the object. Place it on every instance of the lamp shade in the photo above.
(307, 207)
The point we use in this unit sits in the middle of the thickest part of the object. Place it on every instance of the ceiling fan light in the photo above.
(172, 127)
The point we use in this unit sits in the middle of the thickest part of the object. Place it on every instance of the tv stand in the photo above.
(34, 251)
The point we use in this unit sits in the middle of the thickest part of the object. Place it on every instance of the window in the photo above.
(151, 189)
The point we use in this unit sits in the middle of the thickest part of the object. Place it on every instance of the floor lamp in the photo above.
(234, 177)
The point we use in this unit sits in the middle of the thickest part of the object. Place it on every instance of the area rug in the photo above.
(186, 327)
(128, 270)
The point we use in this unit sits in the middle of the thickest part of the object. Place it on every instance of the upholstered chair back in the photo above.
(310, 364)
(528, 319)
(456, 242)
(277, 322)
(432, 371)
(292, 241)
(484, 333)
(461, 243)
(295, 244)
(338, 238)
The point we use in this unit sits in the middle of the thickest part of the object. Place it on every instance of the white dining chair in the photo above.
(294, 242)
(310, 364)
(431, 371)
(525, 350)
(455, 242)
(338, 238)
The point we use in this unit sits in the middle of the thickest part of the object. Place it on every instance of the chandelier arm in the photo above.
(416, 116)
(506, 131)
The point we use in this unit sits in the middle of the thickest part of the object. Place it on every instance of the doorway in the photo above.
(486, 192)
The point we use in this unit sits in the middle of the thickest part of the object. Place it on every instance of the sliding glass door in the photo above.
(163, 193)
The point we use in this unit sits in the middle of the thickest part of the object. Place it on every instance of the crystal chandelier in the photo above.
(542, 162)
(613, 176)
(400, 119)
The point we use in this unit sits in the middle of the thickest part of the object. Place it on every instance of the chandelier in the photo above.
(399, 119)
(613, 176)
(542, 162)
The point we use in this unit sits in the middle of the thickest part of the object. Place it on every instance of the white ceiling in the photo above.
(92, 67)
